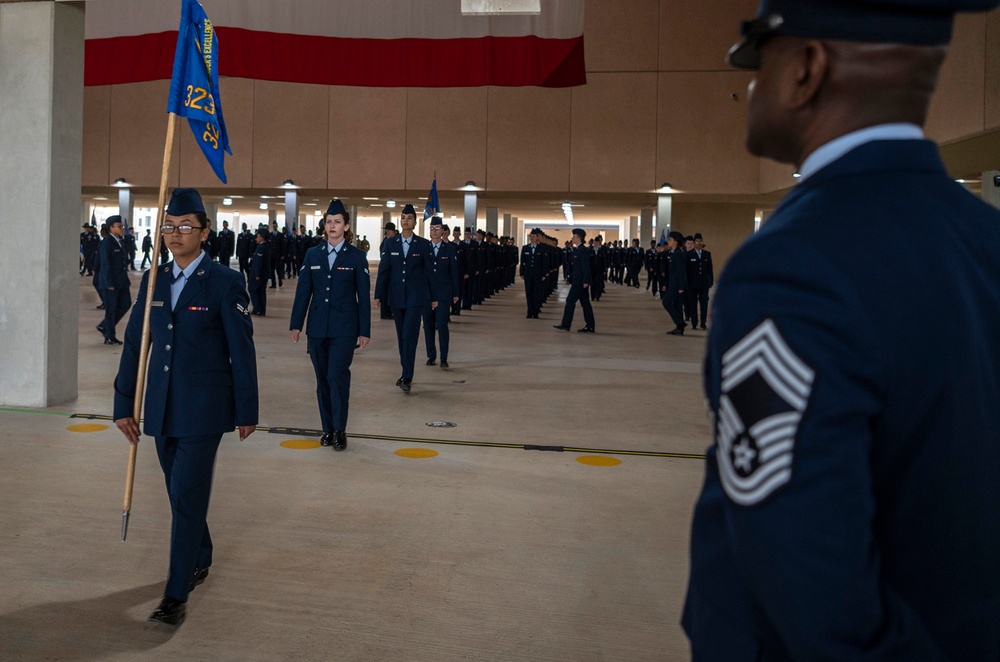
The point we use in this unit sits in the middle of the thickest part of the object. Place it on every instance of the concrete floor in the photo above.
(478, 553)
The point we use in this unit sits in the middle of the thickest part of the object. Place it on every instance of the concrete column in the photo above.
(645, 227)
(633, 228)
(126, 206)
(291, 208)
(41, 139)
(991, 193)
(492, 216)
(272, 217)
(471, 210)
(520, 239)
(513, 229)
(664, 208)
(212, 211)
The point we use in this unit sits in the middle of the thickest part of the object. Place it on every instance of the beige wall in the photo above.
(723, 226)
(658, 107)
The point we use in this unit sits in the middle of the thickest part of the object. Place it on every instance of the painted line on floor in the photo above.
(456, 442)
(36, 411)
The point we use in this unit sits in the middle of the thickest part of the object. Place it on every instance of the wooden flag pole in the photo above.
(140, 382)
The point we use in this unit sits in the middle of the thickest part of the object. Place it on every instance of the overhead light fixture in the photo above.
(369, 198)
(288, 184)
(421, 198)
(236, 212)
(227, 201)
(375, 204)
(309, 204)
(470, 186)
(666, 187)
(121, 183)
(391, 204)
(100, 198)
(318, 212)
(263, 205)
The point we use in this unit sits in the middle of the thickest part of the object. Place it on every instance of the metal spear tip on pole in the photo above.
(125, 515)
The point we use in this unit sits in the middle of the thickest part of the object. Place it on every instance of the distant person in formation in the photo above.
(227, 244)
(851, 500)
(580, 280)
(332, 304)
(385, 311)
(260, 268)
(404, 280)
(673, 281)
(202, 384)
(444, 285)
(534, 266)
(147, 248)
(113, 278)
(701, 277)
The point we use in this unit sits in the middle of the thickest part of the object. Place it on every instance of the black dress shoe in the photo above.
(431, 362)
(586, 329)
(406, 385)
(703, 328)
(339, 440)
(100, 328)
(198, 578)
(112, 341)
(444, 363)
(560, 327)
(101, 307)
(326, 439)
(170, 612)
(679, 331)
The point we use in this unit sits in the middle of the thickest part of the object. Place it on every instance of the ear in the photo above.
(809, 72)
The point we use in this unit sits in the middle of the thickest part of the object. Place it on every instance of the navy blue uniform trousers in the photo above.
(188, 464)
(673, 302)
(407, 333)
(577, 293)
(331, 359)
(436, 320)
(116, 304)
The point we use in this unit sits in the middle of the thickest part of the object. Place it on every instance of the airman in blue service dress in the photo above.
(673, 281)
(851, 505)
(202, 383)
(334, 289)
(700, 278)
(113, 281)
(534, 268)
(404, 281)
(580, 280)
(445, 285)
(260, 267)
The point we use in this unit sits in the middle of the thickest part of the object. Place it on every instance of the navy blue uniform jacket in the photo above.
(851, 504)
(444, 273)
(112, 271)
(700, 275)
(406, 282)
(581, 266)
(337, 301)
(193, 387)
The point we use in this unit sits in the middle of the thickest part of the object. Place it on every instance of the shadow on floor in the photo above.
(83, 629)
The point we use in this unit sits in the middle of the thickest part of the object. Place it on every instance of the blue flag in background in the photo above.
(194, 86)
(433, 206)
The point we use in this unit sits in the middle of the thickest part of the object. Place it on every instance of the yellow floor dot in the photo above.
(87, 427)
(418, 453)
(598, 461)
(300, 444)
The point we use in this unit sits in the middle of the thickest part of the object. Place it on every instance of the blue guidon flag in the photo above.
(433, 206)
(194, 86)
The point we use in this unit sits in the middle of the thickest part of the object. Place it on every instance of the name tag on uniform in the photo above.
(156, 304)
(316, 267)
(394, 253)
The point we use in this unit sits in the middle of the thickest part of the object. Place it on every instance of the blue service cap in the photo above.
(336, 207)
(263, 233)
(185, 201)
(912, 22)
(436, 220)
(581, 232)
(111, 220)
(408, 209)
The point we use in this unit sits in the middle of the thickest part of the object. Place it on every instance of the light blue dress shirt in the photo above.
(180, 278)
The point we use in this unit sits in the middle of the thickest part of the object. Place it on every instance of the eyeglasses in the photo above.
(183, 229)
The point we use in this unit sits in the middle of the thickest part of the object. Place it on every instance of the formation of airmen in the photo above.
(486, 264)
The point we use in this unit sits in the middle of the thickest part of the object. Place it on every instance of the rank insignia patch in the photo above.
(765, 389)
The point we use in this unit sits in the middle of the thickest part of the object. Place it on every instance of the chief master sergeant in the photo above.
(202, 383)
(851, 507)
